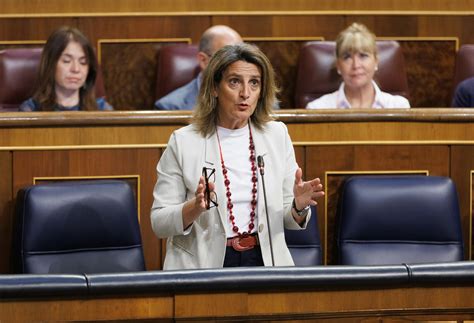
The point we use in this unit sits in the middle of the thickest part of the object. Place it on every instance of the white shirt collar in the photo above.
(343, 103)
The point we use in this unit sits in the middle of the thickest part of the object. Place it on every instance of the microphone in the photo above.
(261, 167)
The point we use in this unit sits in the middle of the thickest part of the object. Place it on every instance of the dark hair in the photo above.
(57, 42)
(205, 115)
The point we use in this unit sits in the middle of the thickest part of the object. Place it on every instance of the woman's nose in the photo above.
(355, 61)
(75, 66)
(245, 91)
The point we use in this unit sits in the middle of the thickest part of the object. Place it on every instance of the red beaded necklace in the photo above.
(253, 202)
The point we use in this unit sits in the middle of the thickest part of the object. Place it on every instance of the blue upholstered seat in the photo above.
(305, 245)
(77, 227)
(399, 219)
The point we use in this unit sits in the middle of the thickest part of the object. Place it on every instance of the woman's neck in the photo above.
(362, 97)
(67, 98)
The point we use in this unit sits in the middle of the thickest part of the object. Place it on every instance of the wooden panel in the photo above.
(143, 27)
(383, 304)
(113, 309)
(57, 136)
(99, 162)
(326, 26)
(417, 139)
(32, 29)
(6, 208)
(130, 72)
(76, 7)
(430, 71)
(367, 158)
(462, 164)
(300, 153)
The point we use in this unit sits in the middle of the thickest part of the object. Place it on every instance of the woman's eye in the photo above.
(254, 83)
(234, 81)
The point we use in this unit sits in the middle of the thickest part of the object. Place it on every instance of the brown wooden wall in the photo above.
(331, 145)
(429, 303)
(128, 33)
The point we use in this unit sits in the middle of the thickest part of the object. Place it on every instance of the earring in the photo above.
(376, 68)
(339, 72)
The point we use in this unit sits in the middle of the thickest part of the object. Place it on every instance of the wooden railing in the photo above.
(328, 144)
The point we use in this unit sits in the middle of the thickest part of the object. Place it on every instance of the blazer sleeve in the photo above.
(169, 193)
(288, 183)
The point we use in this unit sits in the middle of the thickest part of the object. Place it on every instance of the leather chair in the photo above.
(77, 227)
(305, 245)
(18, 76)
(399, 219)
(317, 74)
(464, 67)
(18, 73)
(177, 65)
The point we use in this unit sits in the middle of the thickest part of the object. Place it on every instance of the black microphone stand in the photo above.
(261, 166)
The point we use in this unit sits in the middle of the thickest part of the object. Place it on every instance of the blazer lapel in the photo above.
(212, 160)
(260, 150)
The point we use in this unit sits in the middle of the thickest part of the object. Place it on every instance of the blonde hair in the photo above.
(205, 114)
(356, 38)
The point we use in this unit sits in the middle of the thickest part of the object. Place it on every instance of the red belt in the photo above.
(243, 243)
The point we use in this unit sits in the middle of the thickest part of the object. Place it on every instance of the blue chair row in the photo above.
(92, 226)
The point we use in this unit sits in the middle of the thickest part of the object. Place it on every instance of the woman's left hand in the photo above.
(306, 193)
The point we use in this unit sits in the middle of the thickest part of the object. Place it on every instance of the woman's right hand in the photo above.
(194, 207)
(200, 195)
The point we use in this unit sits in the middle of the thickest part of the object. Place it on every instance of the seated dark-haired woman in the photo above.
(67, 75)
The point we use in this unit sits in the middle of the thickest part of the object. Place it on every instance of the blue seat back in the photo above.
(305, 245)
(399, 219)
(77, 227)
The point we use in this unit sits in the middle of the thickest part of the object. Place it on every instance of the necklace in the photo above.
(253, 202)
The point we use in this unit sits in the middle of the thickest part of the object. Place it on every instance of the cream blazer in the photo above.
(203, 244)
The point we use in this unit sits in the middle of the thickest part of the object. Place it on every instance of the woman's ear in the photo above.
(338, 69)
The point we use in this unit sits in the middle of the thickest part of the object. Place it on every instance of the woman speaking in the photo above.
(209, 200)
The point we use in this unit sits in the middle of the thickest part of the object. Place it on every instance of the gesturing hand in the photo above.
(194, 207)
(306, 193)
(201, 202)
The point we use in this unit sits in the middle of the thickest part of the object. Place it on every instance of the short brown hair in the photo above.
(205, 114)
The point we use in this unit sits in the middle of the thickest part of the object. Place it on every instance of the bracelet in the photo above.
(302, 212)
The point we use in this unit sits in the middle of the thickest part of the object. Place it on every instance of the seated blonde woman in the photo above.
(356, 62)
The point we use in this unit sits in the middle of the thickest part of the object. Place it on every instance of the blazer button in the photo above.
(260, 227)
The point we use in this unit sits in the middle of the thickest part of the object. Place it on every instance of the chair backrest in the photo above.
(464, 67)
(399, 219)
(77, 227)
(18, 76)
(176, 65)
(305, 245)
(18, 73)
(317, 74)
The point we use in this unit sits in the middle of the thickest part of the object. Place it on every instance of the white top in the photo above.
(338, 100)
(236, 155)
